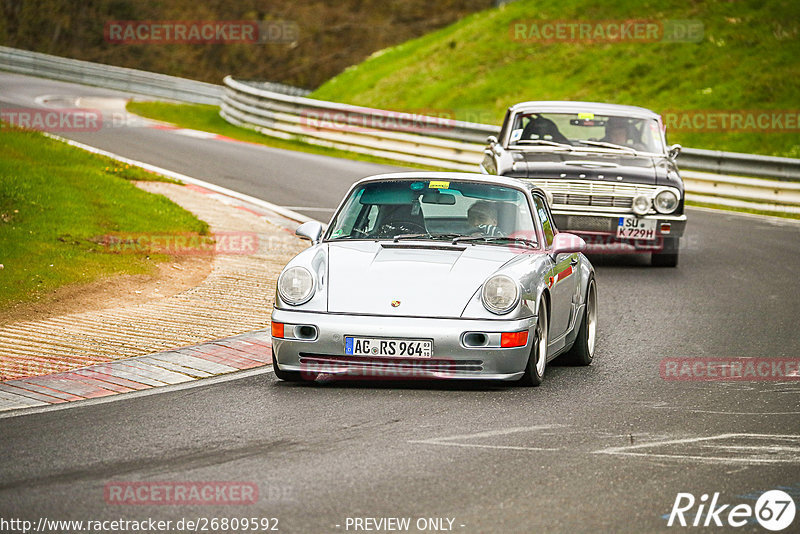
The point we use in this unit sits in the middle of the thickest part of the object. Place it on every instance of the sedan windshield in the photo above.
(435, 210)
(570, 130)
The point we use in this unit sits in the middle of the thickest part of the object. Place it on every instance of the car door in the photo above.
(562, 278)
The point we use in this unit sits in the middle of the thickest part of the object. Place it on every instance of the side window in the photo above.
(544, 217)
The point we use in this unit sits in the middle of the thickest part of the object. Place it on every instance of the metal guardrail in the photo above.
(459, 145)
(404, 137)
(110, 77)
(740, 164)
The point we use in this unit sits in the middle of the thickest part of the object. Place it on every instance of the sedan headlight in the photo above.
(296, 285)
(666, 201)
(641, 204)
(500, 294)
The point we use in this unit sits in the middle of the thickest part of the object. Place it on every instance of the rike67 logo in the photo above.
(774, 510)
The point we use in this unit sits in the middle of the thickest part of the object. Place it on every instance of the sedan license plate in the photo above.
(635, 228)
(371, 346)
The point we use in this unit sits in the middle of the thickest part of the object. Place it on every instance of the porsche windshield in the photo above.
(434, 209)
(570, 130)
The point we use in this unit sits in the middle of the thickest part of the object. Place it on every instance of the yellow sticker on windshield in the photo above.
(586, 116)
(439, 185)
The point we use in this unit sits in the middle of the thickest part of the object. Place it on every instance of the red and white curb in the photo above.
(229, 355)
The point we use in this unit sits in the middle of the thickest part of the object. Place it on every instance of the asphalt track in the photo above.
(573, 455)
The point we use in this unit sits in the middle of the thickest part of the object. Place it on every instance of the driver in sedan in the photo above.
(616, 131)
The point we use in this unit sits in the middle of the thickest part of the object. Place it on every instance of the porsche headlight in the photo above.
(641, 204)
(500, 294)
(296, 285)
(666, 201)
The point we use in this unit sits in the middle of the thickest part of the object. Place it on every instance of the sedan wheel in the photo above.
(534, 371)
(668, 257)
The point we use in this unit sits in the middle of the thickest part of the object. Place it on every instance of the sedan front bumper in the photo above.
(600, 229)
(452, 357)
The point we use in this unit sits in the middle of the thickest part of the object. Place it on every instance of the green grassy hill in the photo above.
(747, 59)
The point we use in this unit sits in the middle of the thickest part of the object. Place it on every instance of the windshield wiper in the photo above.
(497, 239)
(544, 142)
(608, 145)
(426, 236)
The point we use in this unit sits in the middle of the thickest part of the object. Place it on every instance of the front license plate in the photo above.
(374, 346)
(636, 228)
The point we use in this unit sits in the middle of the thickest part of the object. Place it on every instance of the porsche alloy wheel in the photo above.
(582, 351)
(534, 371)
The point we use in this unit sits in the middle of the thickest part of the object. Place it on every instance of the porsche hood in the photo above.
(426, 279)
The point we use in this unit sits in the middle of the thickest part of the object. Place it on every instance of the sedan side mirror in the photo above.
(564, 242)
(674, 150)
(311, 230)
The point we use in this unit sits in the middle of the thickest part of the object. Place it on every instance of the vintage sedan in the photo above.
(435, 275)
(607, 169)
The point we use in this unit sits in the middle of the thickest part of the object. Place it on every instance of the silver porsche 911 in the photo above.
(435, 275)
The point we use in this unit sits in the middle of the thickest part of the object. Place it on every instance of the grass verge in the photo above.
(56, 206)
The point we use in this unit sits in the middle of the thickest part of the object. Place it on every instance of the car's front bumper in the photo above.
(451, 358)
(600, 229)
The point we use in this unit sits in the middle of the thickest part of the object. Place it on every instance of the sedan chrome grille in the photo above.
(606, 201)
(594, 195)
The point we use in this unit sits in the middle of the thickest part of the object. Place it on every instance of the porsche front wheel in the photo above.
(582, 351)
(537, 361)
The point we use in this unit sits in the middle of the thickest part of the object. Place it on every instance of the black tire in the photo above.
(537, 361)
(668, 257)
(286, 376)
(582, 351)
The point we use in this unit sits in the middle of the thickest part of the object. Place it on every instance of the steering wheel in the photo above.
(478, 231)
(393, 228)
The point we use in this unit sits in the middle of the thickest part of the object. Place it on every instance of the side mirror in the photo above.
(674, 150)
(492, 140)
(311, 230)
(564, 242)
